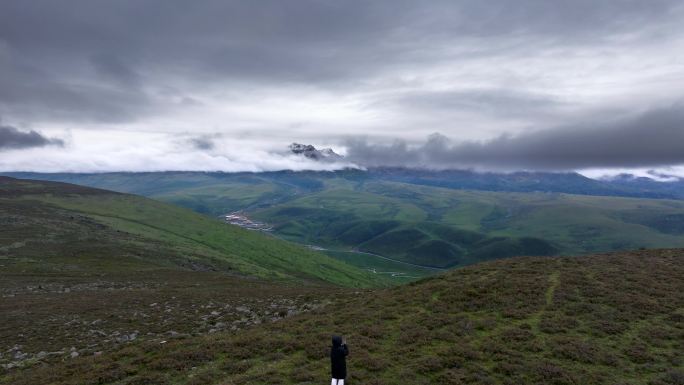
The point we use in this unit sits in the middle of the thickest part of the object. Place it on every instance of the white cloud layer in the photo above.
(104, 151)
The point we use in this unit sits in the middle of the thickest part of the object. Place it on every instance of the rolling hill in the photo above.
(57, 227)
(600, 319)
(157, 183)
(84, 271)
(444, 228)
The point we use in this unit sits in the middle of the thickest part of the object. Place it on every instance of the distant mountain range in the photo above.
(147, 183)
(570, 182)
(628, 185)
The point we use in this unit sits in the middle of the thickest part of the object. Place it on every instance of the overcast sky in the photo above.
(590, 85)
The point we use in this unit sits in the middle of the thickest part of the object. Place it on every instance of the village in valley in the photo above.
(240, 219)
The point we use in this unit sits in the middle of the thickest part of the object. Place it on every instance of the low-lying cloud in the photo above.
(652, 139)
(112, 151)
(12, 138)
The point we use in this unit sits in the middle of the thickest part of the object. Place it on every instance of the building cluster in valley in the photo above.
(240, 219)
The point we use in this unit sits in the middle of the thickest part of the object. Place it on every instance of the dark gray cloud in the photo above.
(30, 90)
(202, 143)
(90, 56)
(652, 139)
(12, 138)
(111, 67)
(495, 102)
(249, 70)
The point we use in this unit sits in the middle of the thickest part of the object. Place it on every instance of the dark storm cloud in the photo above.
(12, 138)
(655, 138)
(111, 67)
(202, 143)
(248, 69)
(31, 90)
(93, 60)
(495, 102)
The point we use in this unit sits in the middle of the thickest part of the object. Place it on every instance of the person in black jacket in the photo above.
(338, 361)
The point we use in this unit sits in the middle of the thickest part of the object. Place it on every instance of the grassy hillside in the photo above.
(208, 193)
(53, 226)
(575, 223)
(376, 211)
(443, 227)
(603, 319)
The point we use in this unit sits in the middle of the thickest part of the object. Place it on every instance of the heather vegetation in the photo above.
(604, 319)
(46, 318)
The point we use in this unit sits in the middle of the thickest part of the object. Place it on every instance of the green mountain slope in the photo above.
(443, 227)
(601, 319)
(54, 226)
(345, 210)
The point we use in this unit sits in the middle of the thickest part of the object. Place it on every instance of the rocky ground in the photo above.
(595, 320)
(44, 319)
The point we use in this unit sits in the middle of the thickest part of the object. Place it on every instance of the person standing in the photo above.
(338, 360)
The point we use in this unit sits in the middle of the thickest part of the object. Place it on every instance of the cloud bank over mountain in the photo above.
(652, 139)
